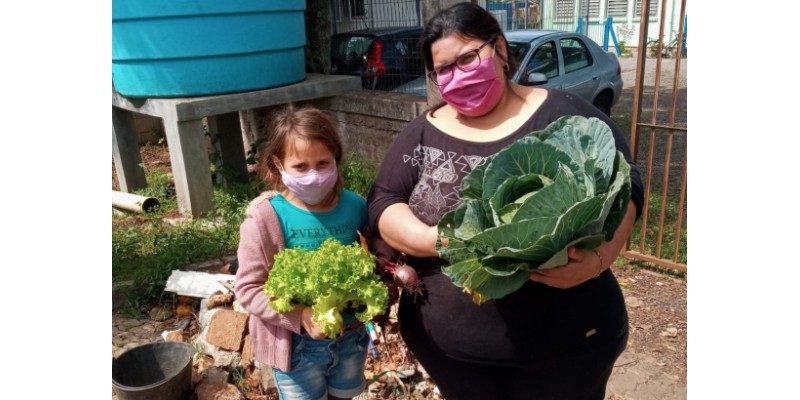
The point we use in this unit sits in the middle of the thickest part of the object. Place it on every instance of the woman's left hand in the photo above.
(583, 265)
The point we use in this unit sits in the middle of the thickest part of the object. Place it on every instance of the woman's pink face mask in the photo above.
(476, 92)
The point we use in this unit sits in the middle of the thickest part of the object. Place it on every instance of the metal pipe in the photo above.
(647, 185)
(657, 84)
(641, 60)
(664, 194)
(678, 54)
(681, 204)
(664, 127)
(133, 202)
(655, 260)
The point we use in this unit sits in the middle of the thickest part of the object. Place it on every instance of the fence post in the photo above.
(609, 31)
(683, 45)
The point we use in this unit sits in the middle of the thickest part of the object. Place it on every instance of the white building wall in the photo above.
(387, 14)
(672, 18)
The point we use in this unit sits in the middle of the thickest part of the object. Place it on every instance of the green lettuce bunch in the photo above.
(566, 185)
(329, 280)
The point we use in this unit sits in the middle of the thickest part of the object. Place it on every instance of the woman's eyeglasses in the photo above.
(466, 62)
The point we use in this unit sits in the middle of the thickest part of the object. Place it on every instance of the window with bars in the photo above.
(348, 9)
(594, 8)
(637, 12)
(617, 8)
(565, 9)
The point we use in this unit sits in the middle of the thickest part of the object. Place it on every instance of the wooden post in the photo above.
(190, 166)
(226, 129)
(125, 148)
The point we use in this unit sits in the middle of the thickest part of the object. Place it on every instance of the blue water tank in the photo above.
(177, 48)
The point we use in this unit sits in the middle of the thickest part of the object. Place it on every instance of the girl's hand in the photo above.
(583, 265)
(309, 325)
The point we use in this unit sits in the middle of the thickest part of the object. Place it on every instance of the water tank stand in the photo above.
(182, 119)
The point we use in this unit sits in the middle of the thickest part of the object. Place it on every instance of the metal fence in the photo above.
(352, 15)
(377, 40)
(658, 140)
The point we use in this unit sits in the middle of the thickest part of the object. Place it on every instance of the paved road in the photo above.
(628, 65)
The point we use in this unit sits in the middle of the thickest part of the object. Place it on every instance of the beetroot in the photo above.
(404, 276)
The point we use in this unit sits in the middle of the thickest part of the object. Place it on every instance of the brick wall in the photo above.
(369, 121)
(149, 129)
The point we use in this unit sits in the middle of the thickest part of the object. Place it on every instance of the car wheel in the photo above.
(603, 103)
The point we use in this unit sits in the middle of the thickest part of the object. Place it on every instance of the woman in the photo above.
(558, 336)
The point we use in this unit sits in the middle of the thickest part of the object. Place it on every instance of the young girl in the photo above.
(300, 162)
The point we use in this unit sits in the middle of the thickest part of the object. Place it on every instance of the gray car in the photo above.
(556, 59)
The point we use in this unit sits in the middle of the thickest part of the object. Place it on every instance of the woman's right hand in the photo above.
(404, 232)
(309, 326)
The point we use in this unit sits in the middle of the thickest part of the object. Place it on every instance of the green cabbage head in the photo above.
(566, 185)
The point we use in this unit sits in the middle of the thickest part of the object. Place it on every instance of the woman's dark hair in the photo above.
(465, 19)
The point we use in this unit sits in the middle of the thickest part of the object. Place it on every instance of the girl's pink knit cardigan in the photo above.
(261, 237)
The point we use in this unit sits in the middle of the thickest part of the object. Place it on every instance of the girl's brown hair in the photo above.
(291, 123)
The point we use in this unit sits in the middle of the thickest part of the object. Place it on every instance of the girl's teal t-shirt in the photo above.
(307, 230)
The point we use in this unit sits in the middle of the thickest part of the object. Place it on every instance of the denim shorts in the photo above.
(322, 367)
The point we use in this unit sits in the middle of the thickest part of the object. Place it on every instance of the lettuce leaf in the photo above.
(330, 279)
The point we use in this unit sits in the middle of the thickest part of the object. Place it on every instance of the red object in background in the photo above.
(375, 66)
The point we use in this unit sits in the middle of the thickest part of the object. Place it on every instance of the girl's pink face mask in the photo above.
(313, 186)
(476, 92)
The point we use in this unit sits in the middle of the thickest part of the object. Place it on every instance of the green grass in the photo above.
(358, 173)
(652, 229)
(622, 118)
(145, 249)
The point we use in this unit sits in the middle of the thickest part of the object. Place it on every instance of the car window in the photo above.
(411, 52)
(401, 48)
(576, 55)
(392, 51)
(517, 51)
(544, 60)
(355, 45)
(347, 55)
